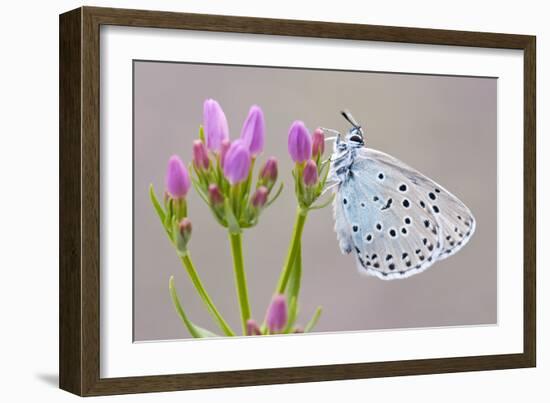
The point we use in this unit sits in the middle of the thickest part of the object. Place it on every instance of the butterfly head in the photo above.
(354, 137)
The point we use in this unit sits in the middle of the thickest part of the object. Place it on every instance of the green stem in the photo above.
(295, 278)
(240, 277)
(195, 279)
(295, 244)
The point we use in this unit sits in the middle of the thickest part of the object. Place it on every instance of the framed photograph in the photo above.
(249, 201)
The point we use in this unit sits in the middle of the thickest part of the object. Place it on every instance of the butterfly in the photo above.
(396, 221)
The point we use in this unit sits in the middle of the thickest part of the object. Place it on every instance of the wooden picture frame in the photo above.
(80, 199)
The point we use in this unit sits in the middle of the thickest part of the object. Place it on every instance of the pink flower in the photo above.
(236, 165)
(277, 314)
(177, 178)
(200, 155)
(215, 125)
(318, 147)
(185, 228)
(183, 235)
(216, 197)
(259, 198)
(252, 328)
(253, 131)
(299, 142)
(310, 174)
(269, 172)
(223, 150)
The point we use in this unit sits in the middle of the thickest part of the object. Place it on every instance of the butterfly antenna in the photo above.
(348, 116)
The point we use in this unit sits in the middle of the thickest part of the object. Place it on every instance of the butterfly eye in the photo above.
(356, 139)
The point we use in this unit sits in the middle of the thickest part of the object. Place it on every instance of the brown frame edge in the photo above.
(79, 200)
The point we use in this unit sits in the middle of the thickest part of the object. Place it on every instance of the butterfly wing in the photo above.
(397, 221)
(456, 221)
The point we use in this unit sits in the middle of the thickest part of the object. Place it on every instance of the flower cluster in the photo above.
(223, 176)
(177, 225)
(224, 168)
(310, 172)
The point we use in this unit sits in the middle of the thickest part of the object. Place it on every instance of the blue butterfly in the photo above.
(395, 220)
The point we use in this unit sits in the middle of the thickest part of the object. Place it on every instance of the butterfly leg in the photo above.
(329, 187)
(332, 131)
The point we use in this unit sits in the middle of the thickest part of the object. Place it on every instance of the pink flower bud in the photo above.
(318, 147)
(237, 161)
(310, 174)
(253, 130)
(277, 314)
(215, 125)
(185, 227)
(223, 151)
(299, 142)
(183, 235)
(269, 171)
(252, 328)
(177, 178)
(259, 198)
(200, 155)
(216, 197)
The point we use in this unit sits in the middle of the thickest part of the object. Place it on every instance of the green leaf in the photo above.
(292, 313)
(180, 209)
(178, 241)
(217, 213)
(248, 182)
(299, 178)
(232, 223)
(311, 324)
(195, 331)
(324, 175)
(324, 204)
(294, 283)
(201, 134)
(156, 204)
(277, 194)
(169, 215)
(200, 190)
(325, 163)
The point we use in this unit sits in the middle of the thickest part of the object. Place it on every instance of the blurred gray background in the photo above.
(443, 126)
